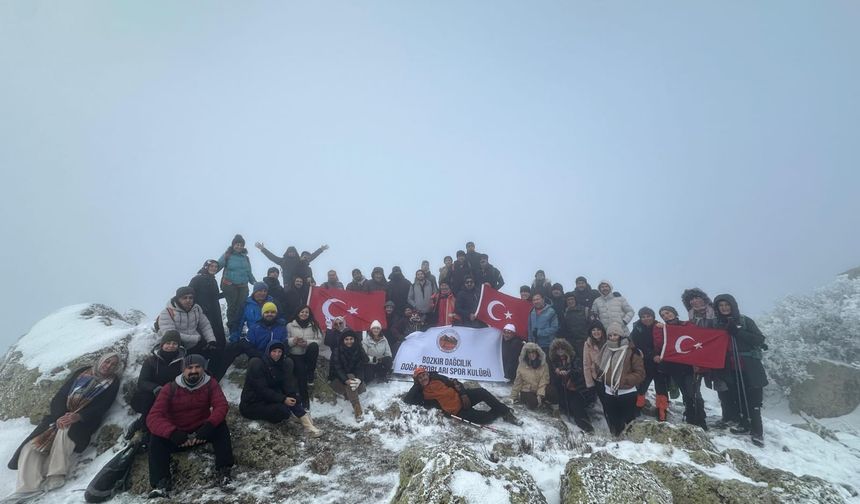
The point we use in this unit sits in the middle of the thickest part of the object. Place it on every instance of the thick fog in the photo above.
(658, 145)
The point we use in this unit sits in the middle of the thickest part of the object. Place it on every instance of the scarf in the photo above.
(86, 387)
(612, 358)
(303, 323)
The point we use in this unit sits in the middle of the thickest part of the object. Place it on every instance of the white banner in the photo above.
(456, 352)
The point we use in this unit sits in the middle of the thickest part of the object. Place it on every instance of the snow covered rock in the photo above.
(456, 474)
(604, 478)
(832, 390)
(687, 437)
(38, 364)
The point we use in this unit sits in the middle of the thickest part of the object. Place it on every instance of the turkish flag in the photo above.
(496, 310)
(693, 345)
(358, 309)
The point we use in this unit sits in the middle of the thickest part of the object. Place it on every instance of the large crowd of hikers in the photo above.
(580, 347)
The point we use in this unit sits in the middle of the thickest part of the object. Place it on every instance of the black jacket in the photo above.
(511, 355)
(398, 291)
(207, 294)
(585, 297)
(268, 382)
(749, 341)
(156, 371)
(279, 295)
(465, 304)
(458, 275)
(91, 416)
(347, 361)
(575, 324)
(293, 298)
(491, 276)
(570, 362)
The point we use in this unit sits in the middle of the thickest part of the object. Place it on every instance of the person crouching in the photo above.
(532, 377)
(346, 371)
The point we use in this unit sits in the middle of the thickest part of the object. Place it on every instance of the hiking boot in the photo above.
(161, 490)
(739, 429)
(224, 480)
(640, 401)
(758, 440)
(511, 419)
(310, 428)
(356, 410)
(139, 424)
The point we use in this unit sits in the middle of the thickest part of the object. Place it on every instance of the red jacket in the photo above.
(177, 408)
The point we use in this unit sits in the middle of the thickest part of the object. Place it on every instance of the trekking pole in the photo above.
(739, 379)
(473, 424)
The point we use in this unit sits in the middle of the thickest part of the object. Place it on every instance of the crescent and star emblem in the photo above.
(327, 305)
(697, 346)
(493, 305)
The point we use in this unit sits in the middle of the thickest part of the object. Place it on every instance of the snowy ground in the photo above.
(788, 448)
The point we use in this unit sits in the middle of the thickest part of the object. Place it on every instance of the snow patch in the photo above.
(476, 489)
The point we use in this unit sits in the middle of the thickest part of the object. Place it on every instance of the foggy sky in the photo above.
(659, 145)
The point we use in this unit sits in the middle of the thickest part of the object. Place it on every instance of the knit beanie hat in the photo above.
(510, 327)
(417, 371)
(375, 323)
(557, 286)
(171, 335)
(269, 306)
(273, 270)
(238, 239)
(581, 278)
(194, 359)
(184, 291)
(260, 286)
(276, 344)
(378, 269)
(614, 328)
(646, 311)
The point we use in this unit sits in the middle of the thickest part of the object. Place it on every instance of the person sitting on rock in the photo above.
(188, 412)
(270, 391)
(267, 330)
(433, 390)
(160, 368)
(568, 380)
(378, 353)
(621, 370)
(45, 458)
(334, 335)
(182, 314)
(304, 338)
(532, 377)
(346, 371)
(253, 310)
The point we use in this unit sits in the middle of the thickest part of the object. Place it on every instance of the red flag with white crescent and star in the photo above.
(692, 345)
(497, 310)
(358, 309)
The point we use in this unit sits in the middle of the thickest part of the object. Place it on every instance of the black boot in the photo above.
(161, 490)
(224, 480)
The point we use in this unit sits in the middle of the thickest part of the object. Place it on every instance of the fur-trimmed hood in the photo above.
(564, 345)
(531, 347)
(689, 294)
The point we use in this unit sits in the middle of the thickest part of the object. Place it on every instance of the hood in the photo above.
(736, 313)
(531, 347)
(180, 353)
(268, 359)
(690, 294)
(561, 344)
(251, 300)
(611, 288)
(174, 303)
(395, 276)
(203, 381)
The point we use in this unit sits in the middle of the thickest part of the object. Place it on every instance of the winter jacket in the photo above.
(398, 291)
(278, 295)
(182, 408)
(193, 326)
(632, 371)
(574, 379)
(586, 297)
(473, 259)
(262, 334)
(376, 349)
(309, 334)
(611, 308)
(511, 356)
(531, 379)
(251, 314)
(237, 268)
(458, 276)
(267, 382)
(347, 362)
(749, 341)
(591, 360)
(332, 285)
(207, 294)
(289, 264)
(421, 296)
(156, 371)
(357, 286)
(466, 305)
(445, 276)
(91, 415)
(443, 308)
(543, 326)
(430, 277)
(491, 276)
(446, 394)
(293, 299)
(643, 337)
(575, 323)
(371, 285)
(707, 317)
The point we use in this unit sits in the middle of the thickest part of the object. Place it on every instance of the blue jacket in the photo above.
(543, 326)
(252, 314)
(237, 268)
(261, 334)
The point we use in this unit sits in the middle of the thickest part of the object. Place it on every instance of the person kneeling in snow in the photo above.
(532, 377)
(433, 390)
(346, 371)
(188, 412)
(270, 390)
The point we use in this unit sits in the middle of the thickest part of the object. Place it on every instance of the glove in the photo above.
(464, 399)
(210, 346)
(156, 390)
(205, 430)
(178, 437)
(373, 360)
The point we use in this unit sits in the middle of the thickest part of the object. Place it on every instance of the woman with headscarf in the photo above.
(683, 375)
(621, 370)
(304, 338)
(207, 294)
(44, 459)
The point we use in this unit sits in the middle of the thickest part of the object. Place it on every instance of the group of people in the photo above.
(577, 346)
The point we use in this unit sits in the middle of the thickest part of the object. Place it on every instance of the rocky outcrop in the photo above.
(833, 390)
(687, 437)
(604, 478)
(790, 488)
(452, 473)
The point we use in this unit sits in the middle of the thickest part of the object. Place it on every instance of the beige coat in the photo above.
(591, 360)
(531, 379)
(295, 331)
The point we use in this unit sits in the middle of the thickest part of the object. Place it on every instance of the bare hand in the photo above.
(658, 359)
(472, 316)
(289, 401)
(324, 247)
(259, 245)
(660, 325)
(68, 419)
(301, 342)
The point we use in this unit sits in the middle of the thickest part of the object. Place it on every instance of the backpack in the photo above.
(170, 311)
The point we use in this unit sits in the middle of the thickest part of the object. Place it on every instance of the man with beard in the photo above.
(377, 281)
(459, 271)
(489, 274)
(295, 297)
(332, 281)
(358, 281)
(585, 295)
(467, 304)
(398, 289)
(443, 306)
(189, 412)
